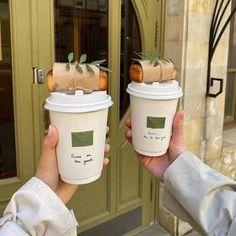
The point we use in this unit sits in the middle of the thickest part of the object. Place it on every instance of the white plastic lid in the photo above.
(78, 102)
(155, 90)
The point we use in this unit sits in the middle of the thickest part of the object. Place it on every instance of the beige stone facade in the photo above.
(186, 42)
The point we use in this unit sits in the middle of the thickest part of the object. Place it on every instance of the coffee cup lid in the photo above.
(78, 102)
(155, 90)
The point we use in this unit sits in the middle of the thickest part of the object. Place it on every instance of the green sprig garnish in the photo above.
(78, 68)
(70, 59)
(103, 68)
(82, 60)
(90, 69)
(68, 66)
(154, 59)
(98, 62)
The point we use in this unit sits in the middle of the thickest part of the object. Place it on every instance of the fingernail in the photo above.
(50, 130)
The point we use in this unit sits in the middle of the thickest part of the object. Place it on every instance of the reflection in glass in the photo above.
(7, 135)
(81, 27)
(130, 43)
(231, 77)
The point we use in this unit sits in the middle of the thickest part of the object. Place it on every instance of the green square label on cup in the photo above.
(156, 122)
(82, 139)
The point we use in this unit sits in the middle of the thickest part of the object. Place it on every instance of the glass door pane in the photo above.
(230, 97)
(81, 27)
(7, 134)
(130, 43)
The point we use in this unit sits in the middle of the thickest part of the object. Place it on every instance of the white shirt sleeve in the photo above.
(200, 195)
(37, 210)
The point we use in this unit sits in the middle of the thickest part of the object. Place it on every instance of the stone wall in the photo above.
(186, 42)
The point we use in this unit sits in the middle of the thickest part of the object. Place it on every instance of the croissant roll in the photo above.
(145, 72)
(59, 79)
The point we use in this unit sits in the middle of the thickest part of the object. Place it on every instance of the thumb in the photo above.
(178, 125)
(49, 144)
(48, 154)
(177, 144)
(51, 140)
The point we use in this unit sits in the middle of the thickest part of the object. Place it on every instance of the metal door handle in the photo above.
(39, 75)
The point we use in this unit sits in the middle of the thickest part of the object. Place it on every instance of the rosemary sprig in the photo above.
(82, 60)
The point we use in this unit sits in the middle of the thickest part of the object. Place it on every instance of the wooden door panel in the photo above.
(129, 176)
(91, 200)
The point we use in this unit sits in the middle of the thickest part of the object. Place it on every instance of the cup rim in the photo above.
(78, 107)
(138, 90)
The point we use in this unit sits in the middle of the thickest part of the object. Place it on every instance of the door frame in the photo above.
(150, 184)
(22, 79)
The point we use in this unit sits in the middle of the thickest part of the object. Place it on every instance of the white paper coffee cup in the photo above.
(152, 111)
(81, 121)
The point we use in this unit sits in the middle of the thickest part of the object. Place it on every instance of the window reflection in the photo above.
(7, 135)
(130, 43)
(230, 103)
(81, 27)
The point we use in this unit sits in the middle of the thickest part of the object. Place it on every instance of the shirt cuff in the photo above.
(33, 196)
(200, 192)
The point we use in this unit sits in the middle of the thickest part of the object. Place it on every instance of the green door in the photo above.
(16, 123)
(122, 200)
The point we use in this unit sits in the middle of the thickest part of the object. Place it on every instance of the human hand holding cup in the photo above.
(153, 106)
(81, 121)
(47, 169)
(157, 165)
